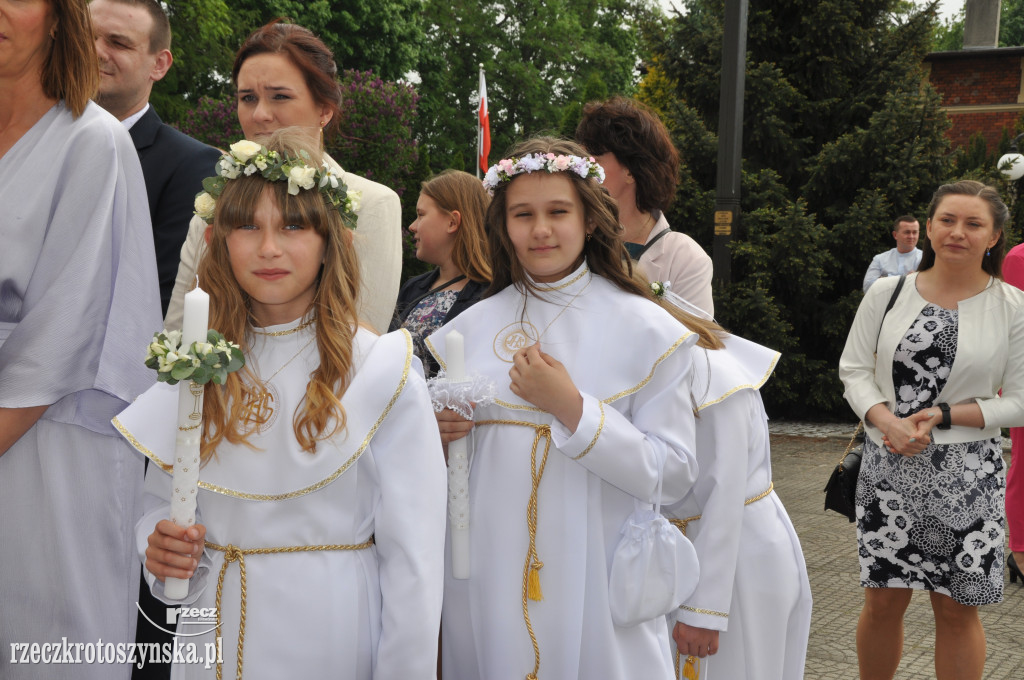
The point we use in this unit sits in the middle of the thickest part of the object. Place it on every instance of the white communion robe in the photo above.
(351, 614)
(753, 581)
(630, 361)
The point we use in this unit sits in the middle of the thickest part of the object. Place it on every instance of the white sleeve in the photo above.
(857, 363)
(874, 272)
(378, 245)
(157, 506)
(409, 530)
(655, 423)
(191, 250)
(724, 428)
(1007, 410)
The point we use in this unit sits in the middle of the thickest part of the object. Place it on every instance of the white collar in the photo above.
(134, 118)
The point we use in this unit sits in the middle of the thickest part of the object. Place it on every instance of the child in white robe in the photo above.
(592, 403)
(322, 494)
(750, 615)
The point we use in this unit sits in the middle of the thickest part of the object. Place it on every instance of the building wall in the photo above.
(982, 91)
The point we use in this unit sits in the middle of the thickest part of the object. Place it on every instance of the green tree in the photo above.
(839, 138)
(538, 55)
(949, 35)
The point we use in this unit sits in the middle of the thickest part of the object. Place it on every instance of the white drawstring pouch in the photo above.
(654, 568)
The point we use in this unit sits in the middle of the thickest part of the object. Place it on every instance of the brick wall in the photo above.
(981, 91)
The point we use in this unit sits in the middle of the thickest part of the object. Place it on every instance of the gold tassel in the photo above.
(691, 670)
(533, 586)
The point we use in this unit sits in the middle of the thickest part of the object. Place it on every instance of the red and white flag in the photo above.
(484, 127)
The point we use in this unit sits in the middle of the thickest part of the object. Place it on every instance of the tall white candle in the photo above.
(185, 482)
(458, 466)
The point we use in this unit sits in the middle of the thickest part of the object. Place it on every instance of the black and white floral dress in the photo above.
(933, 521)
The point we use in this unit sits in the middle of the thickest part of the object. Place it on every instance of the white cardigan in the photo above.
(989, 356)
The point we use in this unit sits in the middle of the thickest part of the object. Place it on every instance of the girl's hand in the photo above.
(907, 437)
(693, 641)
(541, 380)
(452, 426)
(174, 551)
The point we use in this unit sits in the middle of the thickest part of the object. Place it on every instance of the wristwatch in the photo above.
(946, 420)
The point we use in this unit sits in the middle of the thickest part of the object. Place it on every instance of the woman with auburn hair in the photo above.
(321, 505)
(642, 170)
(286, 77)
(78, 303)
(926, 379)
(449, 233)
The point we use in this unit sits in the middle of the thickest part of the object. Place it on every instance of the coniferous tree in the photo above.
(840, 136)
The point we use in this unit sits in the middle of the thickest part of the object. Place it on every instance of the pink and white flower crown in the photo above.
(507, 168)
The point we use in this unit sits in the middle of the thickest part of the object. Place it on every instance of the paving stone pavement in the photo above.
(802, 457)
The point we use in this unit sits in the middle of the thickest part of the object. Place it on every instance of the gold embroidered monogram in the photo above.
(260, 408)
(514, 337)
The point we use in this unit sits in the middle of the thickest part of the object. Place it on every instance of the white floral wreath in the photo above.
(507, 168)
(202, 362)
(248, 158)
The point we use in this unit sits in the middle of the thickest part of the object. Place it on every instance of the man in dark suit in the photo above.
(133, 39)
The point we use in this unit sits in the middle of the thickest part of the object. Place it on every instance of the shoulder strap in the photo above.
(636, 250)
(892, 301)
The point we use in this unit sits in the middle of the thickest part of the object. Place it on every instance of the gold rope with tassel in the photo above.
(531, 570)
(233, 553)
(691, 669)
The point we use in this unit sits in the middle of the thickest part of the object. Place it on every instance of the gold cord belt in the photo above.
(531, 570)
(681, 523)
(233, 553)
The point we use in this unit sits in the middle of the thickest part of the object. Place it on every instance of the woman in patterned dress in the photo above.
(925, 379)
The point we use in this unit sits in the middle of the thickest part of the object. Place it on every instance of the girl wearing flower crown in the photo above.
(322, 493)
(578, 435)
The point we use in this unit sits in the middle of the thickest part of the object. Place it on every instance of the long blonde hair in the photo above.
(320, 415)
(455, 190)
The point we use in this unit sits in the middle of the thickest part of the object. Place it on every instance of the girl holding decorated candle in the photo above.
(579, 433)
(322, 491)
(449, 233)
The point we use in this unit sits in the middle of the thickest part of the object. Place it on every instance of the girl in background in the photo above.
(449, 233)
(750, 616)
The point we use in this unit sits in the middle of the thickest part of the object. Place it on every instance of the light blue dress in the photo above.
(78, 305)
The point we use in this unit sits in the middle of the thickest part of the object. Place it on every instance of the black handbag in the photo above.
(841, 487)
